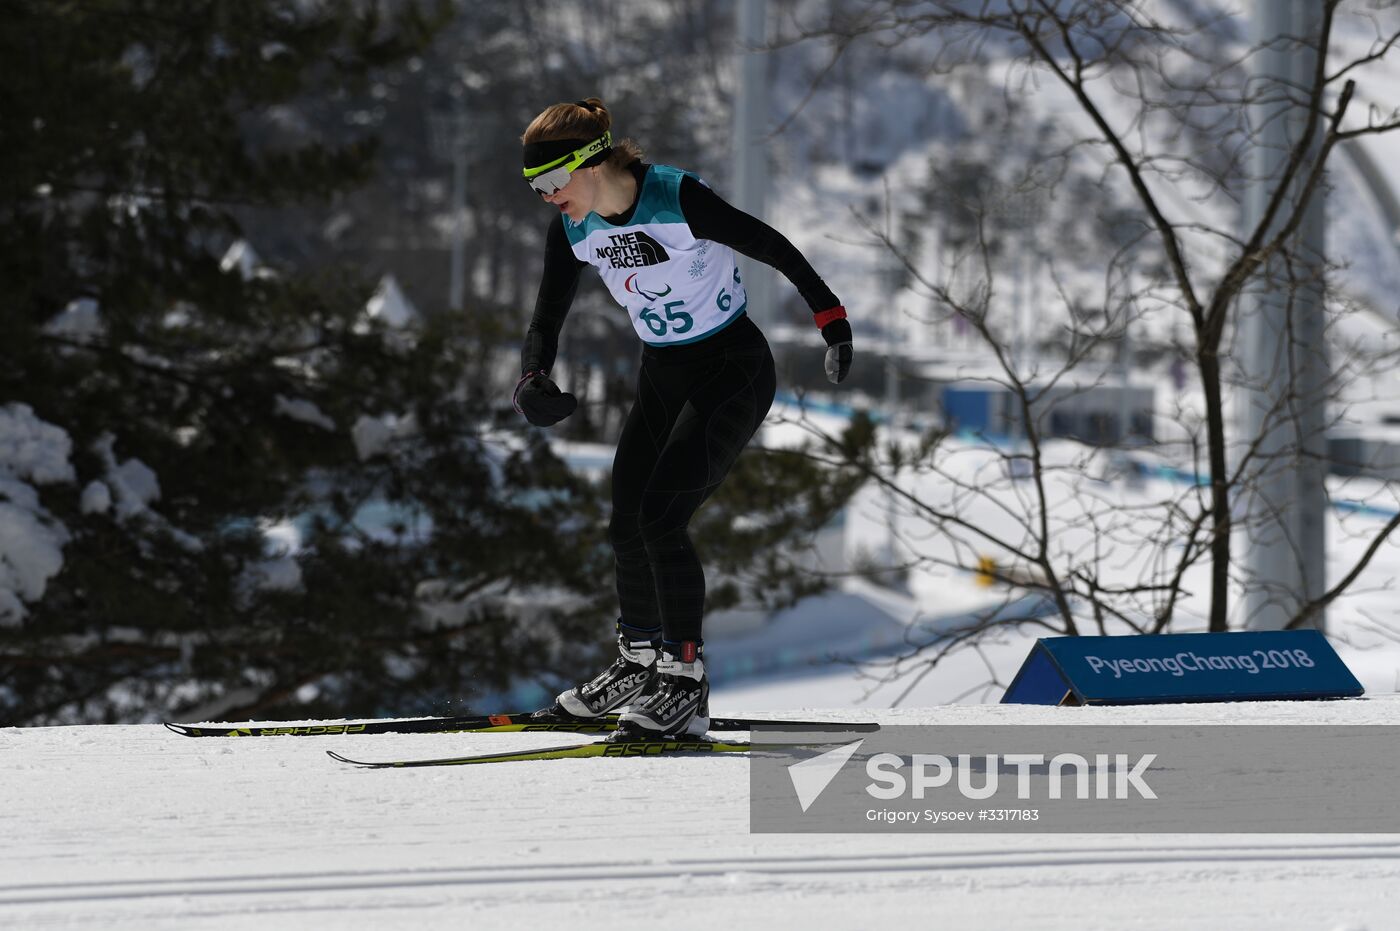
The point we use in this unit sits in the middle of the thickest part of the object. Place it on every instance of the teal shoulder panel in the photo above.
(661, 197)
(577, 232)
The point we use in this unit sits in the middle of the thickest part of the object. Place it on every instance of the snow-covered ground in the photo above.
(134, 827)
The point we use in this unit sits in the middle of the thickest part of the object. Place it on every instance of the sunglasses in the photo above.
(552, 177)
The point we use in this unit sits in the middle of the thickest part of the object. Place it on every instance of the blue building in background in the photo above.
(1100, 414)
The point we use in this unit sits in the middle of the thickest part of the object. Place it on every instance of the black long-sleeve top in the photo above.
(709, 217)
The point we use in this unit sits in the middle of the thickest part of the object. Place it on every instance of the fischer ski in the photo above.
(461, 724)
(486, 723)
(633, 748)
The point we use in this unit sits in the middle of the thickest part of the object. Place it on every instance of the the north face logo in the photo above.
(633, 250)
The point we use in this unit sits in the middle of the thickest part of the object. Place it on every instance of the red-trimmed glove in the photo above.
(836, 330)
(541, 401)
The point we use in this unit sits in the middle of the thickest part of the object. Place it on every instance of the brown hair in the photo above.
(586, 119)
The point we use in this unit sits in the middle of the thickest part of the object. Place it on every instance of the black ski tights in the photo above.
(697, 407)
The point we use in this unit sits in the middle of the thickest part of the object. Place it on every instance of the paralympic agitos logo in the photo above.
(633, 250)
(632, 287)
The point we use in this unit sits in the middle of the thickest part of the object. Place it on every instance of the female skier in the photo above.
(664, 244)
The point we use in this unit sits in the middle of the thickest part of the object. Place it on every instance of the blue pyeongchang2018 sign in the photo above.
(1240, 666)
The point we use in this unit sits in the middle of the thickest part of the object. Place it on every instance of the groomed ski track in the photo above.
(135, 827)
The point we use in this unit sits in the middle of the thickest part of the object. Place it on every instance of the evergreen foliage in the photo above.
(136, 132)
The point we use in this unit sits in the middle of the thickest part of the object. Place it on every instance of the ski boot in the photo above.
(620, 684)
(678, 704)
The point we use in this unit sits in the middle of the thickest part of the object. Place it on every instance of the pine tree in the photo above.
(137, 133)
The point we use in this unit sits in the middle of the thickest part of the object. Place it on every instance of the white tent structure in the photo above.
(391, 306)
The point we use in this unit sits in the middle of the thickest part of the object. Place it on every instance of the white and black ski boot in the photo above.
(677, 705)
(620, 684)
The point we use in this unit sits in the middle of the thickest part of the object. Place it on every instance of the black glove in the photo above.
(839, 351)
(541, 401)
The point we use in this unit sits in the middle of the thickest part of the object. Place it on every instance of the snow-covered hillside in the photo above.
(137, 828)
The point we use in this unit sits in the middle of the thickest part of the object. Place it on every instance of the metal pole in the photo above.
(1282, 339)
(1125, 396)
(1311, 360)
(750, 151)
(892, 419)
(456, 289)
